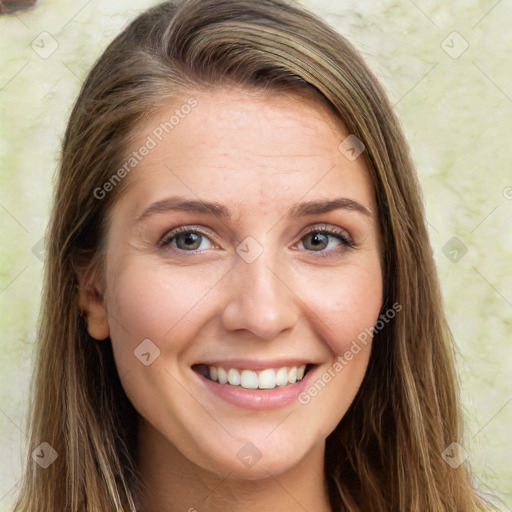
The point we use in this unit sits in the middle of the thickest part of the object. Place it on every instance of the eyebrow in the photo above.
(178, 203)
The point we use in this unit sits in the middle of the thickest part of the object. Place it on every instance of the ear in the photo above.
(91, 304)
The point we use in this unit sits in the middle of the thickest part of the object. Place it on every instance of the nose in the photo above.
(261, 298)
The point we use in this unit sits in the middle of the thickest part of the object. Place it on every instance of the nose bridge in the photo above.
(259, 300)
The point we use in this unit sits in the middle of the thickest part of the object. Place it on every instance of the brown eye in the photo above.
(318, 239)
(185, 239)
(188, 241)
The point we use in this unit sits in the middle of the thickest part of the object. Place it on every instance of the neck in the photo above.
(174, 483)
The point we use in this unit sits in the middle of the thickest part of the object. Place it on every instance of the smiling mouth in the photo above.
(268, 378)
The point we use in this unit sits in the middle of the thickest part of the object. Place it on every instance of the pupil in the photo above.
(190, 238)
(318, 238)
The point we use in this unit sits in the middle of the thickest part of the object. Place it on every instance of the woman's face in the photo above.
(251, 289)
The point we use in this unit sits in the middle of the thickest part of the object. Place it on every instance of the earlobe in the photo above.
(91, 305)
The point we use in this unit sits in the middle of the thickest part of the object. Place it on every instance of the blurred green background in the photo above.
(447, 68)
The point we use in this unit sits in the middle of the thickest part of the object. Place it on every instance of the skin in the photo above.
(258, 154)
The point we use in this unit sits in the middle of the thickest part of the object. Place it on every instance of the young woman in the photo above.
(241, 307)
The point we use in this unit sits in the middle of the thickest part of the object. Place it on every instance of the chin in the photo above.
(245, 460)
(263, 469)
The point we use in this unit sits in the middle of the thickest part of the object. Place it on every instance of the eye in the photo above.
(186, 239)
(320, 237)
(190, 239)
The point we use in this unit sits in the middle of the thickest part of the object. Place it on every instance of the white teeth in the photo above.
(282, 377)
(267, 379)
(233, 377)
(222, 375)
(250, 379)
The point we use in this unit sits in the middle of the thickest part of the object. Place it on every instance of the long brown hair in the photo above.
(385, 454)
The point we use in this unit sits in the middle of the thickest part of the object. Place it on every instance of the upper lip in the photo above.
(251, 364)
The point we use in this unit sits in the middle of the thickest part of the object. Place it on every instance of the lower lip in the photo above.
(259, 399)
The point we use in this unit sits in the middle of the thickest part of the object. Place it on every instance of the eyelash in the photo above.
(336, 232)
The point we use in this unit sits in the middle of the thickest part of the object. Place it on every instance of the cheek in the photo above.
(346, 302)
(154, 302)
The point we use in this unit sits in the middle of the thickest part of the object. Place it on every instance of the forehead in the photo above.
(251, 149)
